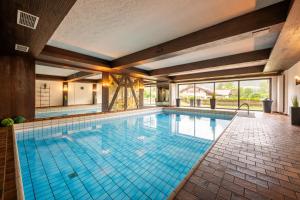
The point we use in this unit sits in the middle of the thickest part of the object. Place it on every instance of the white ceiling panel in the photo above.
(251, 44)
(95, 77)
(53, 71)
(110, 29)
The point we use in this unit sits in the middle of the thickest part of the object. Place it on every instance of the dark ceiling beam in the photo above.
(50, 13)
(220, 73)
(78, 76)
(286, 51)
(247, 57)
(233, 77)
(227, 31)
(62, 78)
(76, 60)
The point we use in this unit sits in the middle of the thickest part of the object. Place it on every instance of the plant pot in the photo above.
(198, 102)
(177, 102)
(192, 102)
(212, 103)
(295, 115)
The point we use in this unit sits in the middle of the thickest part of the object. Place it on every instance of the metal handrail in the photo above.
(244, 104)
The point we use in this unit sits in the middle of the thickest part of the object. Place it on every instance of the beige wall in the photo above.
(76, 95)
(291, 89)
(55, 92)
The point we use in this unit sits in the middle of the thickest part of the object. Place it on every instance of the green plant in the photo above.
(213, 96)
(295, 101)
(7, 122)
(19, 119)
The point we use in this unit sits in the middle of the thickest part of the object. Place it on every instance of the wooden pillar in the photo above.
(17, 81)
(94, 93)
(125, 93)
(65, 93)
(141, 93)
(105, 91)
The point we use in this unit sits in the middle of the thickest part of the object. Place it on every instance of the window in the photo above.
(203, 92)
(253, 92)
(227, 95)
(186, 94)
(150, 94)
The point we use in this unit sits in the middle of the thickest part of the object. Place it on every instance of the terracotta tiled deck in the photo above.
(256, 158)
(7, 166)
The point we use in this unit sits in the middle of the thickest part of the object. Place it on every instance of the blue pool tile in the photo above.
(138, 157)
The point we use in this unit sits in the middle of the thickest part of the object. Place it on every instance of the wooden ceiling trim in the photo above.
(232, 77)
(220, 73)
(78, 76)
(265, 17)
(215, 62)
(50, 13)
(62, 78)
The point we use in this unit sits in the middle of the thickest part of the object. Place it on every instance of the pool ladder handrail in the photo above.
(244, 104)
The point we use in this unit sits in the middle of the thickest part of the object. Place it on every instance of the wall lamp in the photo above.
(65, 88)
(297, 78)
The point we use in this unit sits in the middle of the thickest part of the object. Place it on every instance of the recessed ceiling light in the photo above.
(27, 20)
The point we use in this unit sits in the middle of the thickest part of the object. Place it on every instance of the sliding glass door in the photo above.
(253, 92)
(229, 94)
(150, 94)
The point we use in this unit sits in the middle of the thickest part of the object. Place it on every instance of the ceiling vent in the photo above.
(22, 48)
(27, 20)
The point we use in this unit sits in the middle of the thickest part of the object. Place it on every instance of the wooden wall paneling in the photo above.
(133, 92)
(17, 80)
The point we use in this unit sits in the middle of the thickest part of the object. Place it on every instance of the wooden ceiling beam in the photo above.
(62, 78)
(247, 57)
(78, 76)
(220, 73)
(232, 30)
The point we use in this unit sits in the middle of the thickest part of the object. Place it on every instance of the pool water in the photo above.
(137, 157)
(39, 115)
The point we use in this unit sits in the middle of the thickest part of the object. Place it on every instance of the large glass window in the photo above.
(150, 94)
(253, 92)
(186, 94)
(203, 92)
(227, 95)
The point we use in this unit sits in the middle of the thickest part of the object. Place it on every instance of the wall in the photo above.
(56, 92)
(291, 89)
(17, 83)
(76, 96)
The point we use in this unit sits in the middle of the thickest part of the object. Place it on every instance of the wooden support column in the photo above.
(17, 81)
(141, 93)
(105, 91)
(65, 93)
(94, 93)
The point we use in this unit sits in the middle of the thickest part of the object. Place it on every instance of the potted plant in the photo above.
(198, 102)
(213, 101)
(295, 111)
(192, 101)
